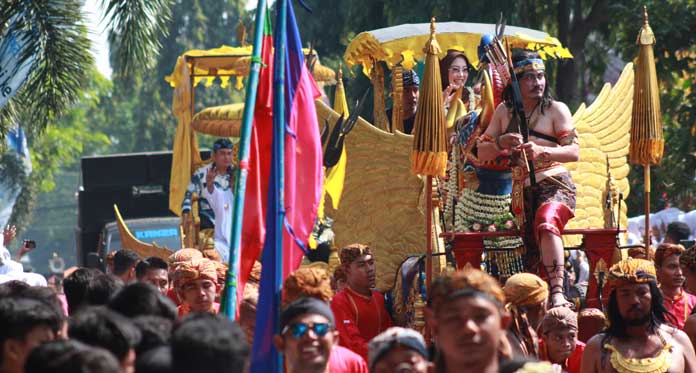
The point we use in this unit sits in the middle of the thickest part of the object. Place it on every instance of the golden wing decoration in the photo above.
(380, 204)
(604, 135)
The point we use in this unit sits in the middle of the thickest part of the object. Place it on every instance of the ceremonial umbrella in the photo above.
(647, 142)
(429, 152)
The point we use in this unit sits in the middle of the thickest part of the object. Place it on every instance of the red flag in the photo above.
(253, 225)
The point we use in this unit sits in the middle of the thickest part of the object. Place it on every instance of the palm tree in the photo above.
(59, 42)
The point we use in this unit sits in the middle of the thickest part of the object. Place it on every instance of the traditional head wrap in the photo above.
(665, 250)
(467, 282)
(195, 270)
(410, 78)
(308, 282)
(222, 143)
(688, 258)
(352, 252)
(393, 337)
(221, 270)
(305, 306)
(528, 65)
(559, 318)
(633, 271)
(185, 255)
(637, 253)
(525, 289)
(590, 322)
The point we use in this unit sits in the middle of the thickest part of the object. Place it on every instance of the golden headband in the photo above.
(528, 65)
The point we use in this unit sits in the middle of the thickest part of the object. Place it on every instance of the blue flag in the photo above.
(14, 71)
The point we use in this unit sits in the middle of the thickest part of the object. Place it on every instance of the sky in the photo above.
(98, 34)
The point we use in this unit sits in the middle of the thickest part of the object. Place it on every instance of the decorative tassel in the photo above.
(647, 142)
(429, 154)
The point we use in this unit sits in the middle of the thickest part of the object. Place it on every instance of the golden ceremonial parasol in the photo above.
(429, 152)
(647, 142)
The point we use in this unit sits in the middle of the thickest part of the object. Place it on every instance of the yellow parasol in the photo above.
(429, 154)
(647, 142)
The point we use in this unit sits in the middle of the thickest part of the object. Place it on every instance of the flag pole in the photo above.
(279, 123)
(231, 282)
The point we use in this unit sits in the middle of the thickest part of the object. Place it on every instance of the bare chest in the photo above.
(541, 127)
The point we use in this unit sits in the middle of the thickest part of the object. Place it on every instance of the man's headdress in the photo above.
(528, 65)
(631, 271)
(308, 282)
(467, 282)
(410, 78)
(665, 250)
(195, 270)
(525, 289)
(222, 143)
(559, 318)
(352, 252)
(688, 259)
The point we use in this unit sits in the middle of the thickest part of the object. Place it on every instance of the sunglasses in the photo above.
(298, 330)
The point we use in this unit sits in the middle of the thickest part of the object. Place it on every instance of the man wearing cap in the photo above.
(409, 101)
(398, 350)
(526, 296)
(467, 316)
(678, 302)
(196, 286)
(559, 339)
(359, 310)
(221, 171)
(638, 338)
(546, 206)
(307, 336)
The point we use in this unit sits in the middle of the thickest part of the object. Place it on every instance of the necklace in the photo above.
(531, 124)
(657, 364)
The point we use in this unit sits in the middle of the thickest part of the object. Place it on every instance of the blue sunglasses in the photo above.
(298, 330)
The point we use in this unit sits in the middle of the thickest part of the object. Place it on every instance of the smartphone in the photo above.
(30, 244)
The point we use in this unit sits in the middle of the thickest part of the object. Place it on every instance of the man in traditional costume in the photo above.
(638, 338)
(359, 310)
(559, 339)
(526, 296)
(196, 285)
(221, 169)
(546, 206)
(678, 302)
(409, 100)
(467, 316)
(687, 260)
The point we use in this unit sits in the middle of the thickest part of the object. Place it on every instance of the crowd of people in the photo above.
(154, 315)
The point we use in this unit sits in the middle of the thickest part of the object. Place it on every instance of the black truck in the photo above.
(138, 183)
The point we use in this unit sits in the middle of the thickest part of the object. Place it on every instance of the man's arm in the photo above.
(491, 143)
(592, 355)
(193, 187)
(688, 348)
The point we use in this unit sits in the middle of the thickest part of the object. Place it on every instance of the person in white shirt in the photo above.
(220, 195)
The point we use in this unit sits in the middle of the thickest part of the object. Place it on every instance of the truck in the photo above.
(138, 184)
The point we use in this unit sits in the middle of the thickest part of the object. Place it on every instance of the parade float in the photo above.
(405, 217)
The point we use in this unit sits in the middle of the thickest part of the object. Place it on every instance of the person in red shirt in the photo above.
(678, 302)
(359, 310)
(559, 339)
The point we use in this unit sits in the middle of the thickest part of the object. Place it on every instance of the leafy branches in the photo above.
(136, 28)
(58, 39)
